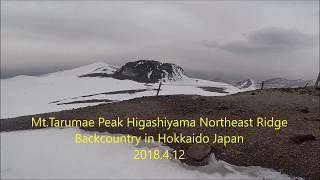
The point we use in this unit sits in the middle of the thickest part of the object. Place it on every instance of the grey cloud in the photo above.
(210, 44)
(120, 23)
(39, 37)
(280, 38)
(268, 40)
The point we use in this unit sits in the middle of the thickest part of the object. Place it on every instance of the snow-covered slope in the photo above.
(99, 67)
(52, 153)
(250, 84)
(25, 95)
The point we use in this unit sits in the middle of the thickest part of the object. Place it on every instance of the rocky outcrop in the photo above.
(149, 71)
(198, 154)
(248, 83)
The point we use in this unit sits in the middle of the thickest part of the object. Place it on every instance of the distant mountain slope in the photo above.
(99, 67)
(250, 84)
(284, 83)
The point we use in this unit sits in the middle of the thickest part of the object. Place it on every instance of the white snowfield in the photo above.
(25, 95)
(53, 153)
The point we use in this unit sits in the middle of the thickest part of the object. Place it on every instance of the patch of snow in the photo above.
(52, 153)
(149, 74)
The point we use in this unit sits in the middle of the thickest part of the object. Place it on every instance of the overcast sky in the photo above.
(222, 39)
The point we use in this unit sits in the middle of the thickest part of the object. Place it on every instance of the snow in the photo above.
(52, 153)
(26, 95)
(98, 67)
(149, 74)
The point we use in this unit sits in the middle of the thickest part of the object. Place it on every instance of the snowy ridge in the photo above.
(25, 95)
(99, 67)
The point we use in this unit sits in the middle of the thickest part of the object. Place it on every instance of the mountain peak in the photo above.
(149, 71)
(248, 83)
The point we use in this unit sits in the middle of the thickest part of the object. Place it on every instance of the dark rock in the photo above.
(213, 89)
(198, 154)
(302, 138)
(96, 75)
(222, 108)
(303, 109)
(244, 84)
(316, 91)
(149, 71)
